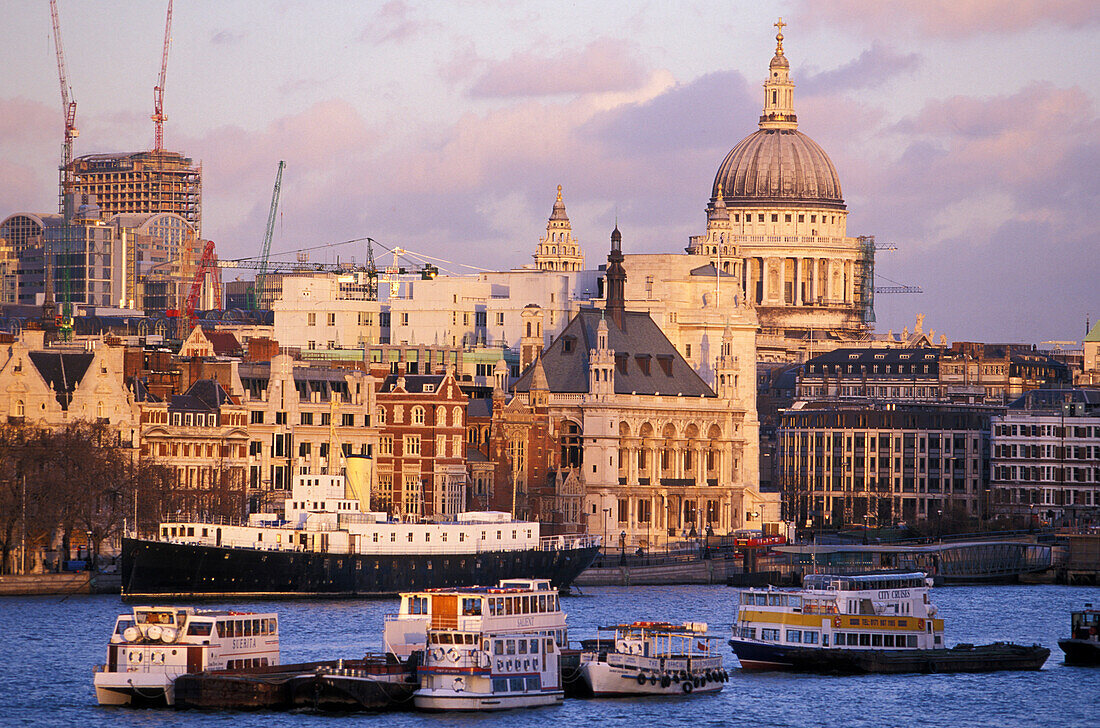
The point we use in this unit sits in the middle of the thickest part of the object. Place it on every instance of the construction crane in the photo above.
(68, 106)
(208, 265)
(256, 292)
(158, 116)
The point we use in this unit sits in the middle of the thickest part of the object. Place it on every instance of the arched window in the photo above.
(456, 417)
(441, 416)
(380, 415)
(572, 451)
(418, 415)
(20, 408)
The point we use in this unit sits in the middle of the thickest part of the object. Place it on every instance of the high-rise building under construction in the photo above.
(142, 182)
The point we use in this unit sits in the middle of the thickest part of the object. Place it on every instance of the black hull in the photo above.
(187, 571)
(343, 693)
(961, 658)
(1081, 652)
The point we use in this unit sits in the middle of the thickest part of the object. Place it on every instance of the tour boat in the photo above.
(484, 648)
(880, 623)
(1083, 645)
(152, 646)
(325, 543)
(652, 658)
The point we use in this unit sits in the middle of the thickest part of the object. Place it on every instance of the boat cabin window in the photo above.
(200, 629)
(498, 647)
(122, 625)
(418, 605)
(155, 617)
(510, 647)
(522, 644)
(471, 606)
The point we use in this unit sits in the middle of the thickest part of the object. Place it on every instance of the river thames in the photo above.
(53, 645)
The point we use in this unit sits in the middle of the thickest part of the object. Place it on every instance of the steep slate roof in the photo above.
(205, 395)
(414, 383)
(62, 371)
(567, 370)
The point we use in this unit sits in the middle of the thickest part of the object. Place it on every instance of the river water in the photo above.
(51, 645)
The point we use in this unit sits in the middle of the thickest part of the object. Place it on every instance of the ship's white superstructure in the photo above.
(485, 648)
(322, 516)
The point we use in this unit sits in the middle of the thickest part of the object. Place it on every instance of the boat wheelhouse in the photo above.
(151, 646)
(882, 622)
(1082, 647)
(652, 658)
(484, 648)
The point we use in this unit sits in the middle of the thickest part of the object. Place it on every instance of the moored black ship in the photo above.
(193, 571)
(323, 543)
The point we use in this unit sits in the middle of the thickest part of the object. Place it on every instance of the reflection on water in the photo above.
(54, 643)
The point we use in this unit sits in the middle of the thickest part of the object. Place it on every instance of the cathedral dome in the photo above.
(778, 166)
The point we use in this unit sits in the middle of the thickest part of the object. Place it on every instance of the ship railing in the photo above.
(569, 542)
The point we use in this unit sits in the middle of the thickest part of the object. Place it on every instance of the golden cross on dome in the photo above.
(780, 25)
(559, 193)
(779, 37)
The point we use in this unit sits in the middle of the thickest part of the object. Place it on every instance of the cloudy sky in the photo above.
(965, 131)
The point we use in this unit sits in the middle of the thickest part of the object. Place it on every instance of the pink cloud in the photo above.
(604, 65)
(954, 18)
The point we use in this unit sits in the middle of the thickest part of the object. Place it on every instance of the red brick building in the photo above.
(421, 458)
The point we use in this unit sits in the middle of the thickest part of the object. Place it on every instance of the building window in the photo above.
(418, 415)
(385, 445)
(380, 415)
(412, 445)
(332, 319)
(500, 319)
(347, 420)
(307, 418)
(280, 418)
(311, 319)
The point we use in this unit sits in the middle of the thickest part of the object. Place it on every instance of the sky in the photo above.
(965, 132)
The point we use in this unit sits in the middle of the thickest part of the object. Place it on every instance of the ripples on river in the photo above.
(52, 644)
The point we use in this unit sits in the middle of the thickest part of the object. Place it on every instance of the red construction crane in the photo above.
(158, 116)
(208, 264)
(68, 105)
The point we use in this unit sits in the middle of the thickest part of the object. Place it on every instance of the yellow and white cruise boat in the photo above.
(484, 648)
(652, 658)
(152, 646)
(882, 622)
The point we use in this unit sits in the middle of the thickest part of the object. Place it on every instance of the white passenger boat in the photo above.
(152, 646)
(653, 658)
(874, 623)
(484, 648)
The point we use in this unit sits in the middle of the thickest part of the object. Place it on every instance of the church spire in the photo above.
(778, 89)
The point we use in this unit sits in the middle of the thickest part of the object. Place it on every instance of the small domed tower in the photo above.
(558, 250)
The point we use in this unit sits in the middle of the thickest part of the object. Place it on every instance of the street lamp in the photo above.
(606, 518)
(622, 548)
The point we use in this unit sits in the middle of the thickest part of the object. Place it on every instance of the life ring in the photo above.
(135, 656)
(665, 680)
(641, 678)
(653, 679)
(708, 676)
(453, 655)
(920, 624)
(687, 687)
(459, 684)
(836, 622)
(437, 654)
